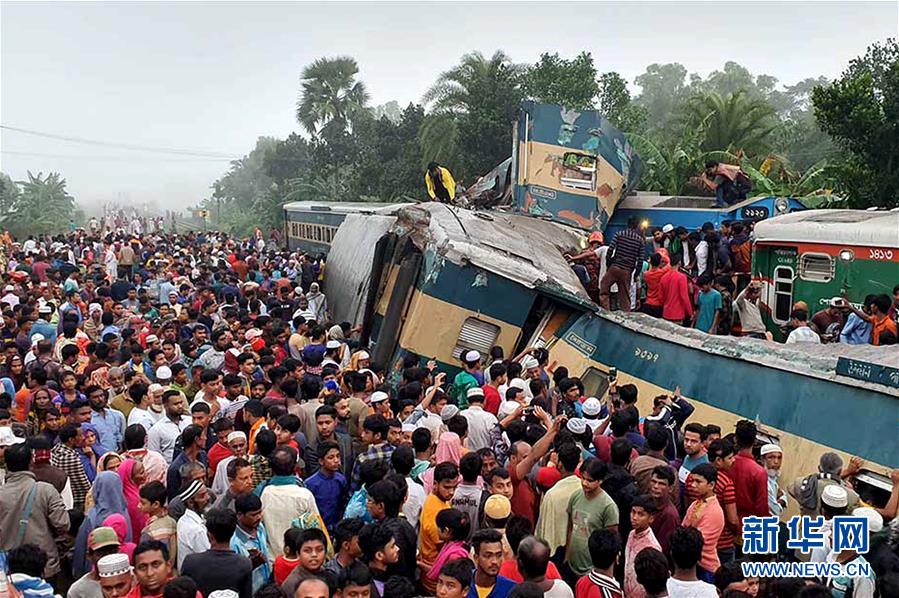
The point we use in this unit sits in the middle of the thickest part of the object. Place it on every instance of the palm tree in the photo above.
(473, 81)
(736, 122)
(478, 99)
(331, 96)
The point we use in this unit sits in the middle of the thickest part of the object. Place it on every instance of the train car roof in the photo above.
(520, 248)
(873, 228)
(808, 359)
(341, 207)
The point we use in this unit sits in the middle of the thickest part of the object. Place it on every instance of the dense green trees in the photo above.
(37, 205)
(809, 138)
(861, 111)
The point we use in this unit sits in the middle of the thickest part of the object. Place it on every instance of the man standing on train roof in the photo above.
(626, 250)
(440, 183)
(728, 181)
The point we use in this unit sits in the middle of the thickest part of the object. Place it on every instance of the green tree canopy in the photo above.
(615, 103)
(569, 82)
(860, 110)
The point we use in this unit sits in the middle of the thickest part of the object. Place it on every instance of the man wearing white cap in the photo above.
(834, 503)
(116, 576)
(470, 377)
(42, 326)
(332, 353)
(862, 586)
(591, 410)
(480, 422)
(9, 296)
(32, 355)
(772, 459)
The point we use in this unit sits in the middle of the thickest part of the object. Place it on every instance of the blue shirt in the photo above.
(856, 331)
(330, 494)
(501, 589)
(709, 303)
(242, 542)
(110, 423)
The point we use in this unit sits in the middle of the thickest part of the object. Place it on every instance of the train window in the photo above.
(783, 294)
(578, 171)
(319, 233)
(596, 382)
(476, 335)
(816, 267)
(872, 487)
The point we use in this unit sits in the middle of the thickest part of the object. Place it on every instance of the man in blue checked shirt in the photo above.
(251, 540)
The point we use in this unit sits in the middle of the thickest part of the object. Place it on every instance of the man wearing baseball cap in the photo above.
(808, 490)
(101, 542)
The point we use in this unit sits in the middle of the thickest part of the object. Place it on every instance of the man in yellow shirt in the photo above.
(440, 183)
(446, 478)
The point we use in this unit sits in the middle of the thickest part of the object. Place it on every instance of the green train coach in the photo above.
(816, 255)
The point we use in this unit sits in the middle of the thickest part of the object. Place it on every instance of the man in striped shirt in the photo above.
(624, 256)
(64, 457)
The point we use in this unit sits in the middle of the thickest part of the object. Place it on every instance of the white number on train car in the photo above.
(647, 355)
(880, 254)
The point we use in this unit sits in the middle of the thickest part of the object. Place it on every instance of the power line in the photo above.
(112, 158)
(126, 146)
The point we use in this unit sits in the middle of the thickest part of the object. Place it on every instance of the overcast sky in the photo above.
(212, 77)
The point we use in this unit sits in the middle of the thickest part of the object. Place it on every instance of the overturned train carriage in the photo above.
(793, 391)
(436, 281)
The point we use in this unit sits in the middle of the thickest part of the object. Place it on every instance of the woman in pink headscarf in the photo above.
(449, 448)
(133, 477)
(117, 522)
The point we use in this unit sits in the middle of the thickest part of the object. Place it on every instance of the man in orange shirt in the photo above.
(880, 320)
(446, 478)
(254, 414)
(706, 515)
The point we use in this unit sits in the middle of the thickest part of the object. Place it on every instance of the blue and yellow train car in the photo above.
(794, 391)
(570, 166)
(443, 280)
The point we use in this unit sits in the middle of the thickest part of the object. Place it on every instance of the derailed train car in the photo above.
(805, 396)
(435, 281)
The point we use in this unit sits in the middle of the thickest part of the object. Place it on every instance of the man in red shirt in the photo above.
(522, 458)
(750, 479)
(652, 278)
(498, 377)
(721, 455)
(677, 306)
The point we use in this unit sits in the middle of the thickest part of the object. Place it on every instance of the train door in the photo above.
(781, 267)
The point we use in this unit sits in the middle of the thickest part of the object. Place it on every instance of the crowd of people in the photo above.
(703, 279)
(181, 417)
